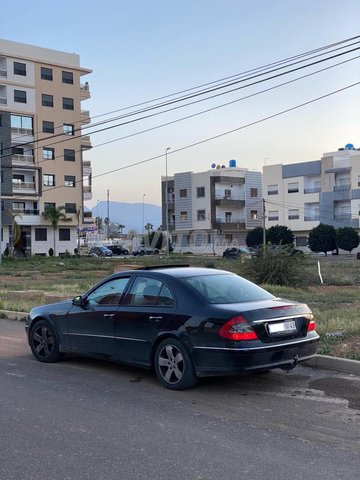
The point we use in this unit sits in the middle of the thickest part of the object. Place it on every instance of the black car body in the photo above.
(181, 321)
(118, 250)
(234, 252)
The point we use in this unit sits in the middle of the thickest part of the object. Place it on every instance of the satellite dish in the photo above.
(349, 146)
(213, 165)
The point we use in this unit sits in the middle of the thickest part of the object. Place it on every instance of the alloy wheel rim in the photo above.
(43, 341)
(171, 364)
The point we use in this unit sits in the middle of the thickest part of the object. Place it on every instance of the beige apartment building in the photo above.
(42, 145)
(302, 195)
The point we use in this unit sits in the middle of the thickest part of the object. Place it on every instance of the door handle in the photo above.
(155, 319)
(109, 315)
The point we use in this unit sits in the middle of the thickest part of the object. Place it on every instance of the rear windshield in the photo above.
(225, 288)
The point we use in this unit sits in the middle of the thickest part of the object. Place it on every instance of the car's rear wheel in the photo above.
(142, 252)
(156, 252)
(43, 342)
(173, 365)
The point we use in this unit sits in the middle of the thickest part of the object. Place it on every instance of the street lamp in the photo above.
(143, 216)
(166, 203)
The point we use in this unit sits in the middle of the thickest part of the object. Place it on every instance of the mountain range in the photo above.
(133, 215)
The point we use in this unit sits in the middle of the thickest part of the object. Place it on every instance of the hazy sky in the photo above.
(145, 49)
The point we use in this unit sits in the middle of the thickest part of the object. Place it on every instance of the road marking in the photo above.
(13, 339)
(15, 374)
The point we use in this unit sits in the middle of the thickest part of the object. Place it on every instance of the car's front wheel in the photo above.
(43, 342)
(173, 365)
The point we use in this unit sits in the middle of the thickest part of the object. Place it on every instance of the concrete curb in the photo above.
(342, 365)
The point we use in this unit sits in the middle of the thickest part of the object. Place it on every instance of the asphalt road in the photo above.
(85, 419)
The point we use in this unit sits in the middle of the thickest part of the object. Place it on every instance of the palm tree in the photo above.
(121, 227)
(56, 215)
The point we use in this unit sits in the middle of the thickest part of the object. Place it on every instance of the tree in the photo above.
(121, 227)
(56, 215)
(279, 235)
(149, 227)
(347, 238)
(322, 238)
(254, 238)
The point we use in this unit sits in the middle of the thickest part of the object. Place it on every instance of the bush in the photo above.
(277, 267)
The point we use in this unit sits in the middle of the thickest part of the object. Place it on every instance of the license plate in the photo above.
(283, 327)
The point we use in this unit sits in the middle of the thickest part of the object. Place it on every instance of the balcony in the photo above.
(342, 216)
(3, 73)
(226, 201)
(22, 187)
(84, 91)
(86, 142)
(312, 190)
(22, 160)
(3, 101)
(87, 191)
(312, 218)
(226, 226)
(85, 117)
(25, 211)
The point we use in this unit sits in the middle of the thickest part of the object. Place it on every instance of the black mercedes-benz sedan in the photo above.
(181, 321)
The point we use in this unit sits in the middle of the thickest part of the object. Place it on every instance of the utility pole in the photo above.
(108, 215)
(263, 226)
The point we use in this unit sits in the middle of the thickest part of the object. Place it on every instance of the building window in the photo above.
(48, 206)
(46, 73)
(293, 214)
(49, 180)
(293, 187)
(201, 215)
(200, 192)
(48, 127)
(19, 96)
(228, 238)
(48, 153)
(18, 207)
(64, 234)
(273, 190)
(20, 122)
(68, 103)
(69, 181)
(68, 129)
(253, 214)
(273, 216)
(183, 193)
(70, 207)
(69, 155)
(20, 69)
(228, 217)
(227, 193)
(40, 234)
(67, 77)
(47, 100)
(301, 241)
(253, 192)
(183, 216)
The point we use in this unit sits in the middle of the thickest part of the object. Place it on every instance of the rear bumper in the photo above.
(229, 361)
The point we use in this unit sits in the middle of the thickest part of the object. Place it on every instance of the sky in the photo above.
(144, 49)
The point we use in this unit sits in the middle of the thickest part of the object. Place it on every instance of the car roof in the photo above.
(177, 271)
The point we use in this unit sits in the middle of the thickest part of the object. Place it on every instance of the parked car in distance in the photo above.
(183, 322)
(234, 252)
(146, 251)
(118, 250)
(100, 252)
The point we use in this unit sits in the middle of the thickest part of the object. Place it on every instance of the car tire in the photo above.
(142, 253)
(126, 252)
(156, 252)
(173, 365)
(43, 342)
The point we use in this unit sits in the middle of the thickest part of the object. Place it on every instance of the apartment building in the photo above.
(42, 146)
(302, 195)
(209, 211)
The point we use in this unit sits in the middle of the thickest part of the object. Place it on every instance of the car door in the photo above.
(148, 306)
(91, 326)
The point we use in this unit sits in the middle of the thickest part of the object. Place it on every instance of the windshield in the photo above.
(225, 288)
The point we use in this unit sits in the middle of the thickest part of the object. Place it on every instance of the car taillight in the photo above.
(312, 323)
(237, 329)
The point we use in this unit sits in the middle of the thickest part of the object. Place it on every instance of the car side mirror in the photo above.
(79, 301)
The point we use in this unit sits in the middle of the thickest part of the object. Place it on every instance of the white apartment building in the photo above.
(210, 211)
(302, 195)
(42, 146)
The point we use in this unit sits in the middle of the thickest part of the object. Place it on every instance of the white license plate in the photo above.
(283, 327)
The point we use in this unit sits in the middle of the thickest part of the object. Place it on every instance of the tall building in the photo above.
(42, 146)
(302, 195)
(209, 211)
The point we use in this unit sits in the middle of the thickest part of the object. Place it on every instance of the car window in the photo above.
(108, 293)
(227, 288)
(147, 291)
